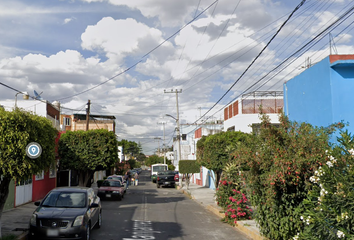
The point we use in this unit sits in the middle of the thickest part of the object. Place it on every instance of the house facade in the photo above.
(78, 122)
(243, 114)
(323, 93)
(37, 186)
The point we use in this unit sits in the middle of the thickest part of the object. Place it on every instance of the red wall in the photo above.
(42, 187)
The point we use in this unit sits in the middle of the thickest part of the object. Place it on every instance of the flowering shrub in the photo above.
(281, 161)
(330, 205)
(230, 195)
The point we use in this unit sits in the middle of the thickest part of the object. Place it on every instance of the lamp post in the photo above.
(25, 97)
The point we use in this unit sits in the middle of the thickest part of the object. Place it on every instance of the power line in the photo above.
(297, 7)
(132, 66)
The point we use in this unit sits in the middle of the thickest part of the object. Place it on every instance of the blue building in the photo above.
(323, 94)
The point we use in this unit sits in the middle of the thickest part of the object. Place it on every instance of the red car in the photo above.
(111, 189)
(176, 176)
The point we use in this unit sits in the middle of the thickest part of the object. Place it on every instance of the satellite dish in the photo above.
(37, 96)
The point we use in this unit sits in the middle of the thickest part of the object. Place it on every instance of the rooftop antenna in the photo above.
(37, 96)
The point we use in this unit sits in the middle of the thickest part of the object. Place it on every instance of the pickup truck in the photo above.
(165, 178)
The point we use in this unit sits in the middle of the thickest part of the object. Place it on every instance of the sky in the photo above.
(127, 56)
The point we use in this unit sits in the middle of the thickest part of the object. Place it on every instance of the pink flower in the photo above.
(233, 216)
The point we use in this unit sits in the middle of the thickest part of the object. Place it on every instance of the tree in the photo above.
(87, 152)
(141, 157)
(214, 150)
(130, 147)
(17, 129)
(188, 167)
(153, 159)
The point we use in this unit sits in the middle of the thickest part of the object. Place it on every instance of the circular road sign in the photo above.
(33, 150)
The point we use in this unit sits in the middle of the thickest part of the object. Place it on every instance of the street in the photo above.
(165, 213)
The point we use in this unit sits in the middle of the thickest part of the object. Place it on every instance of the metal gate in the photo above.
(23, 191)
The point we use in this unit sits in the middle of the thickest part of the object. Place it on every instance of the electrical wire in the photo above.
(297, 7)
(132, 66)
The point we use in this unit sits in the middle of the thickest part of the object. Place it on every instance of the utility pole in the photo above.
(164, 147)
(88, 114)
(178, 126)
(158, 139)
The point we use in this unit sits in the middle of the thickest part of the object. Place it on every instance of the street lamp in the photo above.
(25, 97)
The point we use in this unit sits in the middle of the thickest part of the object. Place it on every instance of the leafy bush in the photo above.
(281, 161)
(188, 166)
(231, 196)
(330, 205)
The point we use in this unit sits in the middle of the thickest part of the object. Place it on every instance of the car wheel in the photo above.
(99, 222)
(123, 195)
(87, 232)
(158, 185)
(119, 197)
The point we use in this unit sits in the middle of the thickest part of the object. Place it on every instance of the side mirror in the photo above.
(94, 205)
(37, 203)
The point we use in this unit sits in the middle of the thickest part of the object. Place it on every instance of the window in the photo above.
(231, 129)
(67, 121)
(184, 137)
(40, 176)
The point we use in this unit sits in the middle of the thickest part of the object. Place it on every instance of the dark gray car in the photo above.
(66, 213)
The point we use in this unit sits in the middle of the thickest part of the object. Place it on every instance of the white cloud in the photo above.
(120, 38)
(67, 20)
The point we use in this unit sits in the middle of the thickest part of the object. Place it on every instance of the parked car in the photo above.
(176, 176)
(111, 189)
(165, 178)
(119, 178)
(66, 212)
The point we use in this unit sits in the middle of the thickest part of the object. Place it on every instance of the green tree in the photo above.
(17, 129)
(141, 157)
(153, 159)
(214, 150)
(87, 152)
(188, 167)
(130, 147)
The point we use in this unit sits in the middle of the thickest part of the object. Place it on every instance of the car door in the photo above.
(93, 211)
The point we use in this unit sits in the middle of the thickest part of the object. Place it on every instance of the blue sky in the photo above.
(64, 47)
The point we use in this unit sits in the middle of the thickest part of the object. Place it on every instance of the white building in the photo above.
(243, 114)
(38, 107)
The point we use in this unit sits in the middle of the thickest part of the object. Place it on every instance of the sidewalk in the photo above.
(16, 221)
(205, 197)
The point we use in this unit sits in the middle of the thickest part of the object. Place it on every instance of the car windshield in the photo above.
(166, 173)
(111, 184)
(65, 200)
(158, 168)
(116, 178)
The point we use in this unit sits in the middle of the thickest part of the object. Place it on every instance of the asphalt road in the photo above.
(147, 212)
